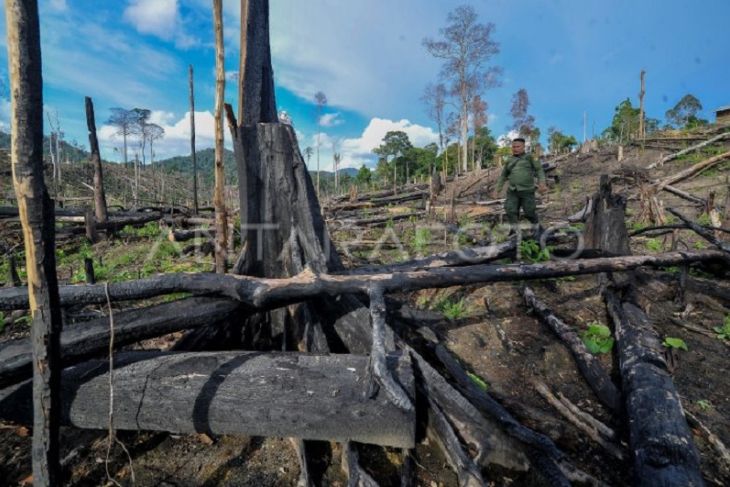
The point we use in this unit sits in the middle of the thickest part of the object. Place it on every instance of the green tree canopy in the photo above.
(559, 143)
(684, 113)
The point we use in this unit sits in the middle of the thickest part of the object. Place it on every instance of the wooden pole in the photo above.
(221, 228)
(89, 270)
(192, 140)
(99, 196)
(36, 216)
(90, 224)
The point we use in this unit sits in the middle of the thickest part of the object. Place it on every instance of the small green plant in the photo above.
(2, 322)
(723, 332)
(478, 381)
(530, 250)
(704, 404)
(704, 220)
(654, 244)
(636, 226)
(597, 338)
(421, 239)
(699, 245)
(453, 310)
(24, 320)
(675, 343)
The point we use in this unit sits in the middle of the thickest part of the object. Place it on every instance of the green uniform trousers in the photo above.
(520, 199)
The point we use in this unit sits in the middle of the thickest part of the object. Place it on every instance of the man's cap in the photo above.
(519, 139)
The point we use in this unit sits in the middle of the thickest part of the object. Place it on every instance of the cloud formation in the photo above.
(160, 18)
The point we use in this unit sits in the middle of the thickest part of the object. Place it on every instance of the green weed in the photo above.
(2, 322)
(530, 250)
(654, 244)
(723, 332)
(704, 220)
(699, 245)
(597, 338)
(704, 404)
(421, 239)
(675, 343)
(454, 310)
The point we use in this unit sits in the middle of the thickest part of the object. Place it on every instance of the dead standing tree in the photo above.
(99, 196)
(36, 216)
(192, 140)
(221, 226)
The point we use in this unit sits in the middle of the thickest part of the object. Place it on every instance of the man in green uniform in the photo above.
(520, 172)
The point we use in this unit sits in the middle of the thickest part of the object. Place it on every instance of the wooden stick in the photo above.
(592, 433)
(692, 170)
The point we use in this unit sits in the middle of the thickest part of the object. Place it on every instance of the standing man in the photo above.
(520, 172)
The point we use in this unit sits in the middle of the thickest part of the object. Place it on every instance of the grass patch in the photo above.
(453, 310)
(723, 332)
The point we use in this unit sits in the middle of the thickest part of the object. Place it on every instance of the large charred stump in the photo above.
(606, 222)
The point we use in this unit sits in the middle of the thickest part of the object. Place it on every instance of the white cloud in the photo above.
(160, 18)
(175, 142)
(330, 120)
(359, 150)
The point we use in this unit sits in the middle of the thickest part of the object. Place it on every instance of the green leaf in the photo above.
(597, 338)
(675, 343)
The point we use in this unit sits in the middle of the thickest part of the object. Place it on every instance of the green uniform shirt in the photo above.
(521, 171)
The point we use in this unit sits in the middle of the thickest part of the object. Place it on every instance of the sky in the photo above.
(572, 56)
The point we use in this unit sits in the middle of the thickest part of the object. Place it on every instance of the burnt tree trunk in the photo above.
(661, 442)
(99, 196)
(36, 216)
(221, 227)
(318, 397)
(256, 99)
(606, 223)
(192, 140)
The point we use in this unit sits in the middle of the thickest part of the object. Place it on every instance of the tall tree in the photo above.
(336, 158)
(321, 100)
(435, 99)
(395, 144)
(37, 219)
(126, 122)
(153, 132)
(466, 46)
(221, 226)
(522, 122)
(99, 196)
(478, 120)
(684, 111)
(192, 138)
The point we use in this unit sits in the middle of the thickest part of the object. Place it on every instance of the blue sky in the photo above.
(571, 56)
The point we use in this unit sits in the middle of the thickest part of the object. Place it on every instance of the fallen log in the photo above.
(684, 195)
(660, 440)
(85, 340)
(378, 202)
(693, 148)
(454, 258)
(266, 293)
(692, 170)
(701, 231)
(596, 376)
(376, 220)
(318, 397)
